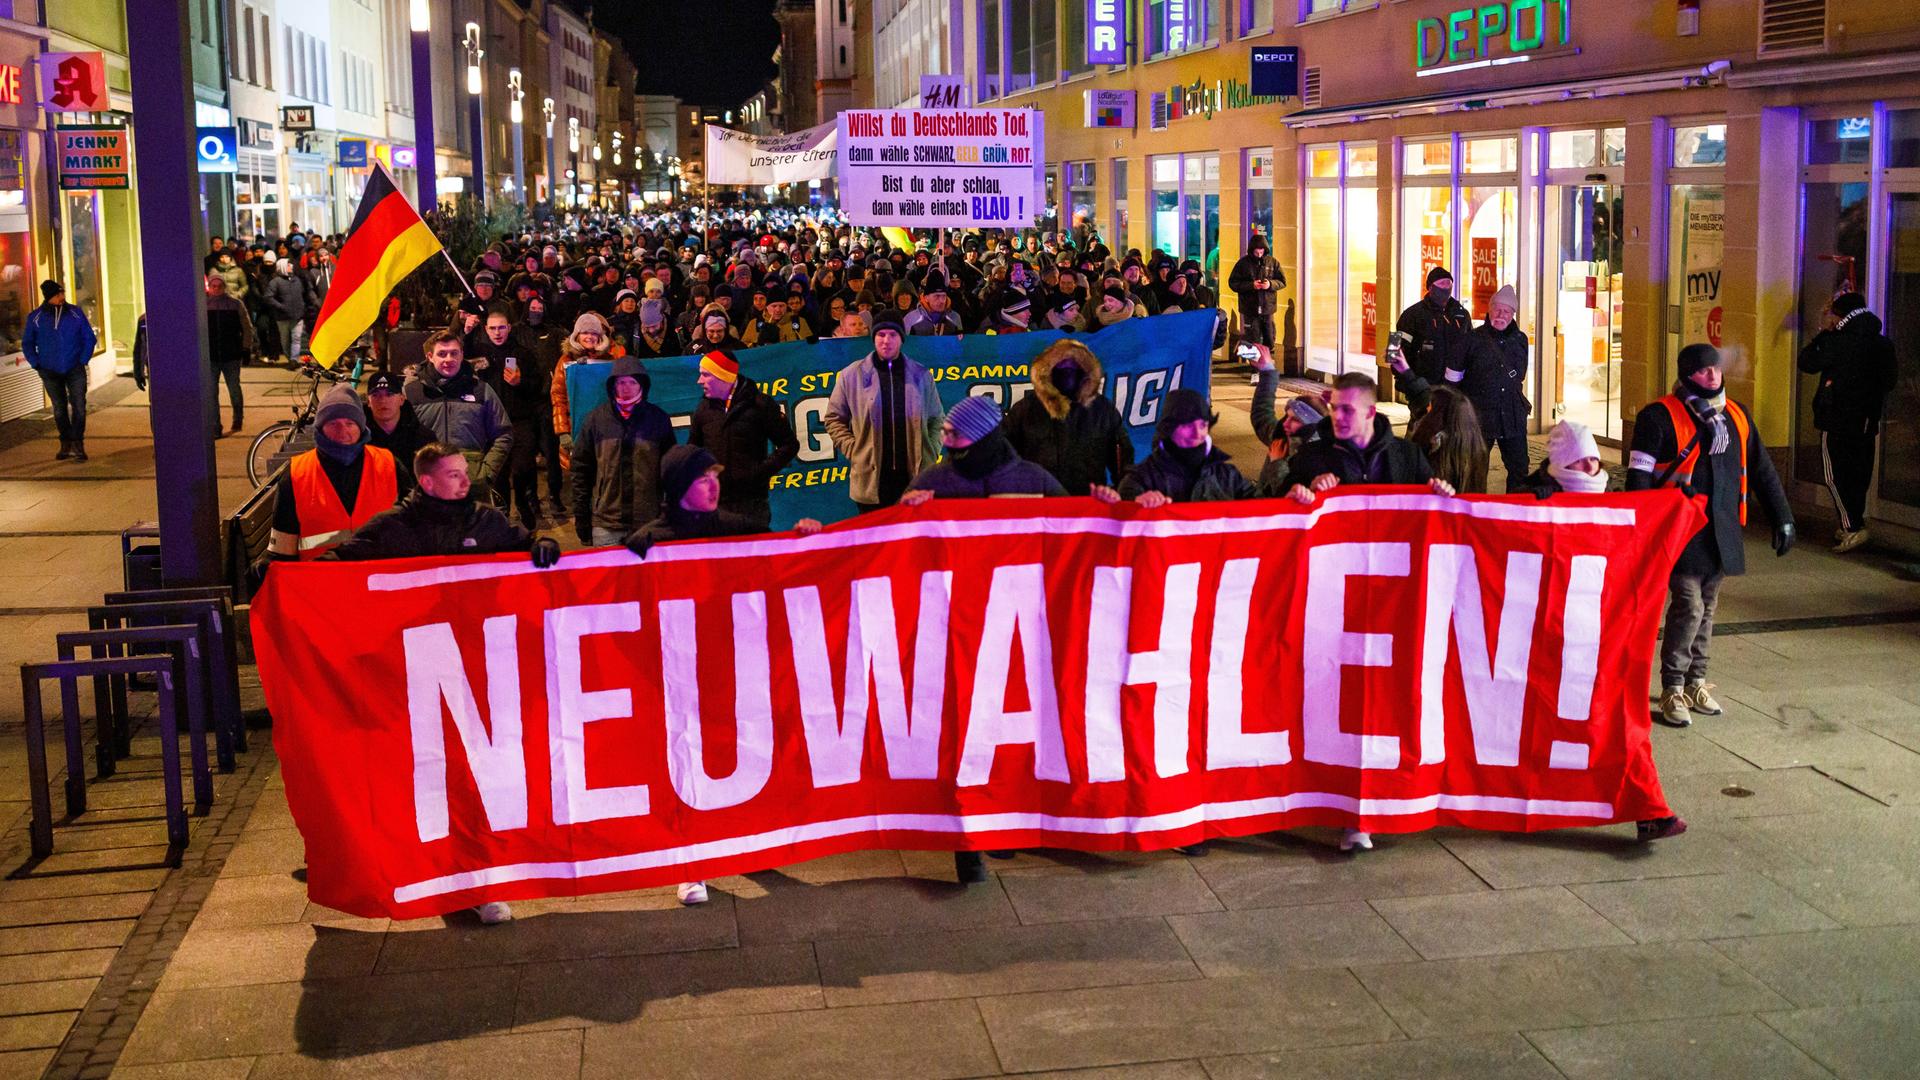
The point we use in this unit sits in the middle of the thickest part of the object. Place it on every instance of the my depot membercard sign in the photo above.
(940, 168)
(91, 156)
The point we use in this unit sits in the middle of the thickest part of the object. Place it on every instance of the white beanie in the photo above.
(1568, 442)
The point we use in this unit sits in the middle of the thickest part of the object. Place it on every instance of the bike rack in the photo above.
(214, 614)
(40, 824)
(183, 643)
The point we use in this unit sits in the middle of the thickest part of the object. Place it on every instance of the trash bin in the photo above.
(140, 555)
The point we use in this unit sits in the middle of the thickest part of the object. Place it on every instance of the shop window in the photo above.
(1321, 285)
(1426, 238)
(1323, 162)
(1833, 243)
(1696, 257)
(1498, 155)
(1121, 240)
(1845, 140)
(18, 293)
(1490, 218)
(1257, 182)
(1434, 158)
(1080, 205)
(1587, 149)
(1363, 160)
(1903, 138)
(1164, 199)
(1341, 236)
(1200, 206)
(1699, 146)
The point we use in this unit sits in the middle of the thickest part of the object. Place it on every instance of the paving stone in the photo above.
(793, 912)
(232, 1068)
(931, 1039)
(1769, 792)
(1000, 960)
(38, 1031)
(330, 1018)
(1833, 967)
(1153, 1070)
(52, 996)
(38, 967)
(146, 857)
(72, 909)
(274, 851)
(1869, 833)
(1515, 920)
(1857, 894)
(24, 1064)
(1570, 856)
(62, 936)
(1557, 989)
(638, 925)
(1274, 940)
(671, 986)
(1713, 906)
(1857, 1042)
(1683, 752)
(267, 954)
(1480, 1057)
(1126, 1024)
(1712, 1046)
(1284, 869)
(1102, 890)
(547, 1055)
(258, 900)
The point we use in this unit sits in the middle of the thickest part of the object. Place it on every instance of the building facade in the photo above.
(1645, 176)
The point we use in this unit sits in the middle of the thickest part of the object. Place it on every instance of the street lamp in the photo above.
(422, 53)
(546, 110)
(573, 159)
(478, 133)
(616, 148)
(516, 113)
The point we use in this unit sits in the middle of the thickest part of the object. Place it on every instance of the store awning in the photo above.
(1535, 94)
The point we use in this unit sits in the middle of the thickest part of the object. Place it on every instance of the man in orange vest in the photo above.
(1696, 439)
(336, 487)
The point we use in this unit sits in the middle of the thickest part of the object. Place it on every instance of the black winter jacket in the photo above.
(616, 465)
(749, 435)
(678, 524)
(423, 525)
(1218, 479)
(463, 412)
(1006, 474)
(1495, 380)
(1387, 458)
(1441, 338)
(1857, 370)
(1249, 269)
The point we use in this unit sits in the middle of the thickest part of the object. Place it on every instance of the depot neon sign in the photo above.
(1490, 34)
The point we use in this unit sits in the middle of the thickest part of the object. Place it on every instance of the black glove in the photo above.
(1783, 536)
(639, 543)
(1687, 490)
(546, 552)
(1542, 492)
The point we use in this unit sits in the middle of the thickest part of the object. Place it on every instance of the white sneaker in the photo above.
(1700, 701)
(494, 912)
(1674, 711)
(1848, 541)
(1355, 840)
(692, 892)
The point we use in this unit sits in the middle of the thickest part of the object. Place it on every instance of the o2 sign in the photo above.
(218, 149)
(1473, 35)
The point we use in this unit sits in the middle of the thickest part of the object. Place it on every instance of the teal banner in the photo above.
(1143, 359)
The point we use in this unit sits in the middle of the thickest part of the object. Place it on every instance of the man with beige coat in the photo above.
(884, 417)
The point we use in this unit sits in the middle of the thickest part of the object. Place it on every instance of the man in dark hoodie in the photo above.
(456, 408)
(616, 458)
(1439, 329)
(1855, 363)
(1256, 280)
(1067, 426)
(747, 432)
(328, 492)
(980, 462)
(505, 361)
(1185, 466)
(1356, 445)
(1698, 439)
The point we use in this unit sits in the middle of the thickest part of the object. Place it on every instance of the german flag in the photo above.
(387, 241)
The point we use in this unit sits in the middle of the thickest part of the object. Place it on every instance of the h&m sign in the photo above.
(1500, 32)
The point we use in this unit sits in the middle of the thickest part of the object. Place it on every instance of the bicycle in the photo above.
(283, 439)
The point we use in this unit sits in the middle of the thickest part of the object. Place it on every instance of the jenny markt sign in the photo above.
(91, 157)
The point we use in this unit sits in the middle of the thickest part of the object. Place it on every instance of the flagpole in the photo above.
(456, 271)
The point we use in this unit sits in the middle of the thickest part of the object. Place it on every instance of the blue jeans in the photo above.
(69, 396)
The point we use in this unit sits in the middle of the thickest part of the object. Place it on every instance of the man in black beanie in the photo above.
(1185, 466)
(330, 491)
(884, 417)
(1441, 333)
(1699, 440)
(1855, 363)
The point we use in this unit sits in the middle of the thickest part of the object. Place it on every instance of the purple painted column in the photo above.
(171, 242)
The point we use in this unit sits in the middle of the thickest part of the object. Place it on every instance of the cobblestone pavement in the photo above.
(1779, 937)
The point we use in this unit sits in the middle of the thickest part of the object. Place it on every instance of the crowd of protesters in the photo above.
(438, 460)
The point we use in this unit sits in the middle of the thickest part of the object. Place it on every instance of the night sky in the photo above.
(706, 52)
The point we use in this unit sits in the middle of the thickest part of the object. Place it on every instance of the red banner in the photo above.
(990, 674)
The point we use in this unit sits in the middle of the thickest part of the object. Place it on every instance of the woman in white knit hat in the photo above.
(1573, 463)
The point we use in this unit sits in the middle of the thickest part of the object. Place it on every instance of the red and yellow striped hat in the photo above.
(720, 366)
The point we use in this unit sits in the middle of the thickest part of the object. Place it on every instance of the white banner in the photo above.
(737, 157)
(940, 168)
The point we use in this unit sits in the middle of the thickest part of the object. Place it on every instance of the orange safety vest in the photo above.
(1683, 420)
(324, 521)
